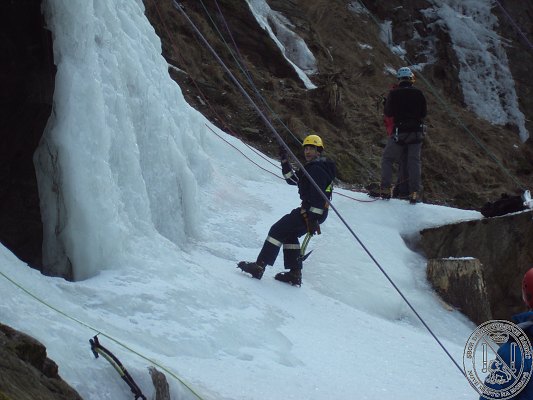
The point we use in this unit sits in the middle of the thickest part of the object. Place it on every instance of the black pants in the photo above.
(285, 233)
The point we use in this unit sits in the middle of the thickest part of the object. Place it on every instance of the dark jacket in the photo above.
(323, 172)
(406, 104)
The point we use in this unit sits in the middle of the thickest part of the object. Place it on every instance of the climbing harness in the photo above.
(98, 349)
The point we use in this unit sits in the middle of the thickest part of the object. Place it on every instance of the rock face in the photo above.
(460, 283)
(345, 108)
(27, 79)
(25, 371)
(501, 244)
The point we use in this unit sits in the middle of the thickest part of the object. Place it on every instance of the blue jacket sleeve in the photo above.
(312, 199)
(500, 377)
(316, 201)
(288, 173)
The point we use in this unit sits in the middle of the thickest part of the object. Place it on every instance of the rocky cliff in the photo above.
(501, 244)
(26, 372)
(459, 166)
(27, 78)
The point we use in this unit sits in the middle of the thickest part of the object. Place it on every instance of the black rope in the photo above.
(248, 158)
(312, 181)
(515, 25)
(239, 61)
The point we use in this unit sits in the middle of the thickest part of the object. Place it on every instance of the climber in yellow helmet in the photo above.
(300, 221)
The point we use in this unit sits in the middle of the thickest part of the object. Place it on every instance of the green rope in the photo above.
(105, 335)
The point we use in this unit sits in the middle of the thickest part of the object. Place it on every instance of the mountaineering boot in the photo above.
(293, 276)
(397, 193)
(386, 194)
(252, 268)
(374, 193)
(383, 193)
(377, 191)
(413, 198)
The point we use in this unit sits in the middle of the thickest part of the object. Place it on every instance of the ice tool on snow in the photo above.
(98, 349)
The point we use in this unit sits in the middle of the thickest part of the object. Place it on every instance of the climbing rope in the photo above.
(311, 180)
(515, 25)
(273, 173)
(258, 93)
(204, 98)
(248, 158)
(246, 73)
(239, 60)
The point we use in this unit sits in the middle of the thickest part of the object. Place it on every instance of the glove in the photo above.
(283, 153)
(313, 227)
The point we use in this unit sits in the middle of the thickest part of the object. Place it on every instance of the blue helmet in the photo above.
(405, 73)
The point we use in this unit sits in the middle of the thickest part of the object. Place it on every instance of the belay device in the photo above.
(97, 349)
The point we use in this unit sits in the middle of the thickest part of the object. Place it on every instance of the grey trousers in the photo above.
(392, 155)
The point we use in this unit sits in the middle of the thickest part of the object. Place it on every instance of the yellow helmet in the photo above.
(313, 140)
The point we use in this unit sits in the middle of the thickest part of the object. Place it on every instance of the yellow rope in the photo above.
(103, 334)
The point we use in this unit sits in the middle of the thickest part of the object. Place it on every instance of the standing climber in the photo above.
(401, 188)
(304, 219)
(407, 105)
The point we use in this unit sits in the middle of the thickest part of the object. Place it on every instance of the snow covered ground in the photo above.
(156, 210)
(345, 333)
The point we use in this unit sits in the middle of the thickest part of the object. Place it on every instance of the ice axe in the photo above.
(305, 242)
(98, 349)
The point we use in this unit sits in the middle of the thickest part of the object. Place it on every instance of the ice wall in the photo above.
(121, 155)
(486, 80)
